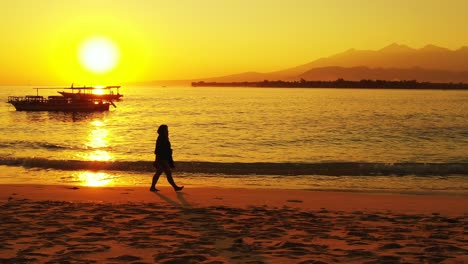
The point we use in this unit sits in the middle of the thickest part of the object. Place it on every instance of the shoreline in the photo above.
(452, 185)
(66, 224)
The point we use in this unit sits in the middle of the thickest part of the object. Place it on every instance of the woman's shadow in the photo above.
(207, 223)
(180, 196)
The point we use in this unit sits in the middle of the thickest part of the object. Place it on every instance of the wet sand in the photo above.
(65, 224)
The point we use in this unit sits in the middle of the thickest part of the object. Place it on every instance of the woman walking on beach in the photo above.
(164, 162)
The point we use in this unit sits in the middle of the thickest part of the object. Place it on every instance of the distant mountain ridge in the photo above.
(393, 62)
(394, 56)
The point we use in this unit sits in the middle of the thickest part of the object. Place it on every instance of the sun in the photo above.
(98, 54)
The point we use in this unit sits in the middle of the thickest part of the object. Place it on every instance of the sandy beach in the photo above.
(66, 224)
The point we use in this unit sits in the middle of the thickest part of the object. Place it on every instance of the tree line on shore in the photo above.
(339, 83)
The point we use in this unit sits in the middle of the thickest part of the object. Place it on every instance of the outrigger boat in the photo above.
(91, 92)
(59, 103)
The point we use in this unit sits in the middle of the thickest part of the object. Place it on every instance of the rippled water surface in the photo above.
(249, 125)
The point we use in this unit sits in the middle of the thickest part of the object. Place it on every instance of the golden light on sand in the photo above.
(98, 54)
(95, 179)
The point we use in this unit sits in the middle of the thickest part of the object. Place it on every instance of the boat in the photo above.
(93, 92)
(58, 103)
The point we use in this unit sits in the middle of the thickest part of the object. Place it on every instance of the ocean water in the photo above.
(320, 139)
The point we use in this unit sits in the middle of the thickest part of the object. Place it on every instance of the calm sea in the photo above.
(318, 139)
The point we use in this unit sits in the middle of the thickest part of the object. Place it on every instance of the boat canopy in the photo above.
(92, 87)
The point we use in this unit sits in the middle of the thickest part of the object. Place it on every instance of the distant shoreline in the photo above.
(340, 83)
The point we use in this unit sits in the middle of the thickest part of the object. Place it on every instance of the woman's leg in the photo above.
(167, 170)
(158, 173)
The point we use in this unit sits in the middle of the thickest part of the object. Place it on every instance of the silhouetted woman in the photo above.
(164, 162)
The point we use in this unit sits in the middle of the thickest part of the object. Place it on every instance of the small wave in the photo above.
(283, 169)
(48, 146)
(19, 144)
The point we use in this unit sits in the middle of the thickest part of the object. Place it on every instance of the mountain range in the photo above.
(393, 62)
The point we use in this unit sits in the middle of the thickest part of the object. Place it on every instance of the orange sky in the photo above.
(185, 39)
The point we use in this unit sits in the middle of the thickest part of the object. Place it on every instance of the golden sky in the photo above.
(184, 39)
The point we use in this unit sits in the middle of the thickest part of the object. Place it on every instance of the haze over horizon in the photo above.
(95, 42)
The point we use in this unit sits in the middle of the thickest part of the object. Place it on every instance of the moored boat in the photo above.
(58, 103)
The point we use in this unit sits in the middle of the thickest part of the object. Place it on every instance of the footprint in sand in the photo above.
(294, 201)
(125, 258)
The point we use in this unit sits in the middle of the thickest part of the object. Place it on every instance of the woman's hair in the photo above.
(162, 129)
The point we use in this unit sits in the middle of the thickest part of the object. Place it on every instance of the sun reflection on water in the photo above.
(99, 90)
(96, 141)
(95, 179)
(99, 155)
